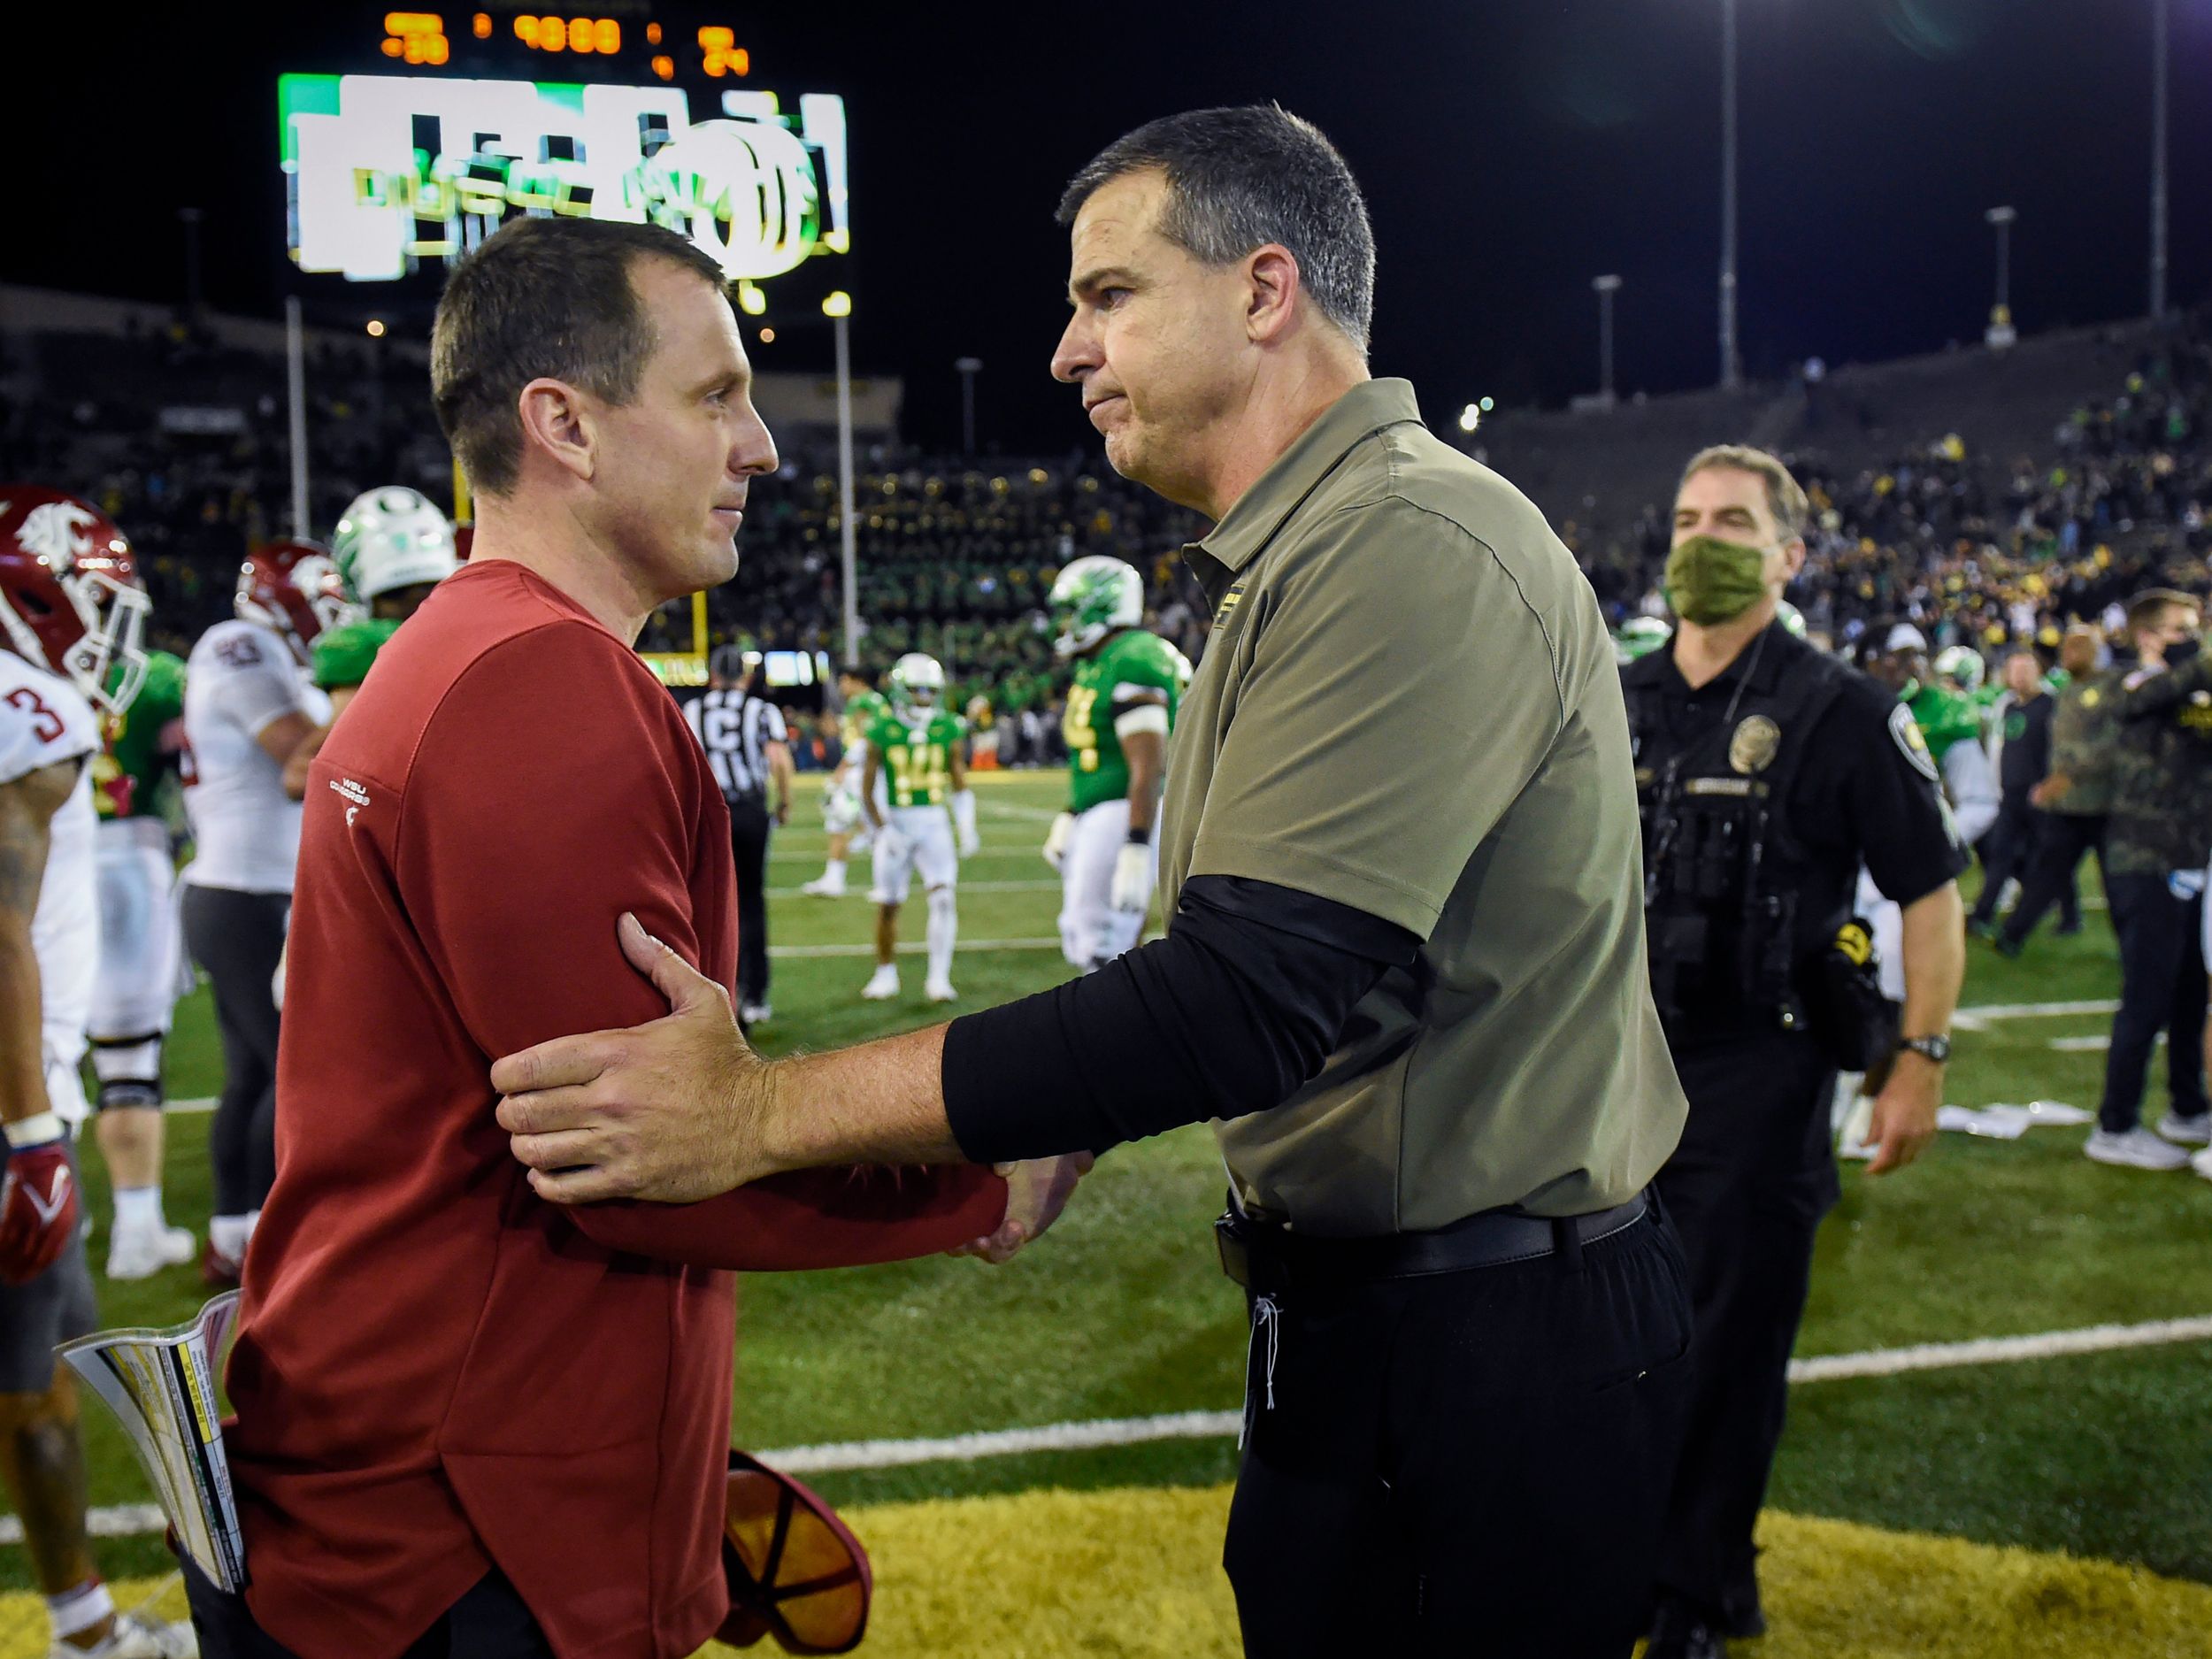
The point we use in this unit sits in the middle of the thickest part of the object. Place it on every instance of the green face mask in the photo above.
(1710, 580)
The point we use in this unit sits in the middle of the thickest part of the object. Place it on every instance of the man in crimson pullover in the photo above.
(471, 1421)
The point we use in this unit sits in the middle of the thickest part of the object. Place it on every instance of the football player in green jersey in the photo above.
(924, 811)
(1119, 712)
(141, 963)
(392, 547)
(863, 706)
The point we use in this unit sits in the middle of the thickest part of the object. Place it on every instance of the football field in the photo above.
(2047, 1497)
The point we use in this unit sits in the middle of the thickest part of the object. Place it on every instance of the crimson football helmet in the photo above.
(294, 588)
(794, 1571)
(70, 601)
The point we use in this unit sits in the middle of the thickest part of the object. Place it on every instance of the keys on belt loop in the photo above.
(1267, 1325)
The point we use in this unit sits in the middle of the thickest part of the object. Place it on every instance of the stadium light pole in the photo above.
(838, 309)
(1607, 286)
(296, 389)
(2161, 17)
(1731, 361)
(969, 368)
(2001, 332)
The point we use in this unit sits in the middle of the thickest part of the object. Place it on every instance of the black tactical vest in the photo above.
(1724, 873)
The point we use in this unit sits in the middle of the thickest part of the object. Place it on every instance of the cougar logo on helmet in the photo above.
(57, 532)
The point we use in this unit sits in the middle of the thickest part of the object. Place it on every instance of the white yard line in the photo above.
(859, 889)
(135, 1519)
(910, 947)
(1978, 1015)
(1999, 1350)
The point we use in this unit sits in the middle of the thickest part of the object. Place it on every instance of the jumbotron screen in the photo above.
(387, 172)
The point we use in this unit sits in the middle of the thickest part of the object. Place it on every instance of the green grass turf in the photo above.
(1123, 1311)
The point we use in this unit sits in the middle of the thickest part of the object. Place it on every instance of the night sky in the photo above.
(1511, 150)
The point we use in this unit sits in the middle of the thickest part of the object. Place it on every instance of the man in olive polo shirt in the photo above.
(1404, 974)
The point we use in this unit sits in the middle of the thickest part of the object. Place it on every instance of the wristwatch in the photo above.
(1935, 1050)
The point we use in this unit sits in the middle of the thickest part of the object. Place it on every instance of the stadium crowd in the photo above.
(1986, 553)
(955, 556)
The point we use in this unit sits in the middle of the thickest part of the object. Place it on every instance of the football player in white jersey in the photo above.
(71, 608)
(248, 705)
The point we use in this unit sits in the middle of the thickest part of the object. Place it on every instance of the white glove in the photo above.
(1056, 839)
(1132, 878)
(964, 824)
(891, 844)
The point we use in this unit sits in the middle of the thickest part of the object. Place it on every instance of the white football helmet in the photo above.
(1963, 666)
(1092, 597)
(392, 537)
(917, 682)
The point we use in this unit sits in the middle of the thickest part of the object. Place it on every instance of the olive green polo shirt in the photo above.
(1408, 704)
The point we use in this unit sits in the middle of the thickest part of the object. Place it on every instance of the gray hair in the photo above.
(1241, 178)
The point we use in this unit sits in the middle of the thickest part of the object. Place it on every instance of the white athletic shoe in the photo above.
(2202, 1164)
(755, 1013)
(2138, 1149)
(141, 1252)
(824, 887)
(2190, 1132)
(940, 991)
(883, 986)
(136, 1637)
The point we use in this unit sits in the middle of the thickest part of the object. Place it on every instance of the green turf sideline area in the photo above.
(1122, 1313)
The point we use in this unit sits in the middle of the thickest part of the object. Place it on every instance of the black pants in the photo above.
(1469, 1464)
(2007, 851)
(489, 1622)
(2161, 988)
(239, 938)
(1747, 1188)
(748, 842)
(2064, 840)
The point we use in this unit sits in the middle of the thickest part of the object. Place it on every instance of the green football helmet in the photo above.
(1093, 597)
(1641, 636)
(917, 682)
(1963, 666)
(392, 537)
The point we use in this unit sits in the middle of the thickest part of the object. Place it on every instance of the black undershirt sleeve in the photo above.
(1234, 1011)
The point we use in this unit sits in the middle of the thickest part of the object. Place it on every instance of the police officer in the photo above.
(750, 752)
(2072, 800)
(1766, 773)
(1403, 962)
(2155, 849)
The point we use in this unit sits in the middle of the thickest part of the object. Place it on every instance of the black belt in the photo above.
(1267, 1259)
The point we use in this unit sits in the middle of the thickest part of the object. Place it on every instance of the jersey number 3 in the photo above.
(48, 723)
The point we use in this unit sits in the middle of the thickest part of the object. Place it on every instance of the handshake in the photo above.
(682, 1109)
(1037, 1190)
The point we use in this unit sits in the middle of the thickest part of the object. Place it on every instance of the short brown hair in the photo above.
(1785, 497)
(543, 298)
(2153, 603)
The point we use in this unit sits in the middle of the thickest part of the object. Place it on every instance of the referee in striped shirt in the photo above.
(745, 741)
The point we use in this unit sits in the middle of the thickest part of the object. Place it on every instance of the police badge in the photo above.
(1755, 742)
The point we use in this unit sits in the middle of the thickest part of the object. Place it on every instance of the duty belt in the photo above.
(1270, 1260)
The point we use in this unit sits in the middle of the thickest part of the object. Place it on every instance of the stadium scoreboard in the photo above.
(616, 37)
(474, 118)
